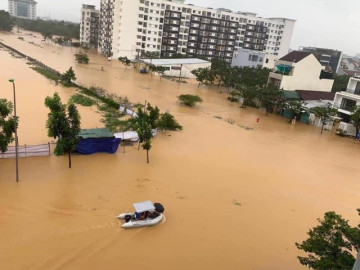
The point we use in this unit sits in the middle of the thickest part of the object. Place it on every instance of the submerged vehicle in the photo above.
(146, 214)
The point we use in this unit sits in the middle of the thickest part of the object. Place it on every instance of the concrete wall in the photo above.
(305, 76)
(243, 58)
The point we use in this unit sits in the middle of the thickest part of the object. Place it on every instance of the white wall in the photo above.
(352, 85)
(125, 28)
(305, 76)
(185, 70)
(241, 58)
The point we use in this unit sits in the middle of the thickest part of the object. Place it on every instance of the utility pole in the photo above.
(180, 73)
(16, 137)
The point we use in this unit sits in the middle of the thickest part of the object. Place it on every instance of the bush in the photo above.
(82, 58)
(190, 100)
(82, 100)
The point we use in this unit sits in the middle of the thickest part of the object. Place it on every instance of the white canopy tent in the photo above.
(144, 206)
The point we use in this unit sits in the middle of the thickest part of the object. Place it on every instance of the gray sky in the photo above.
(331, 24)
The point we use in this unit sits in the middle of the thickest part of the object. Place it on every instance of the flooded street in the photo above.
(235, 196)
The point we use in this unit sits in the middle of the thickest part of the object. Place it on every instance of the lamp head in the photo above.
(11, 80)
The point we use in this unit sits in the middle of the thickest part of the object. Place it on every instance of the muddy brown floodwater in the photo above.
(235, 197)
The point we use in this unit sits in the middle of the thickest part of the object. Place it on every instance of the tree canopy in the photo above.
(68, 77)
(82, 58)
(6, 22)
(7, 124)
(190, 100)
(125, 61)
(355, 118)
(63, 124)
(58, 28)
(340, 82)
(331, 244)
(168, 122)
(222, 74)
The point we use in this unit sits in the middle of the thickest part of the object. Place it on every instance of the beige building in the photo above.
(300, 70)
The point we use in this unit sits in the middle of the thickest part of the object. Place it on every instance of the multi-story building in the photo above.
(345, 102)
(89, 26)
(251, 58)
(327, 57)
(168, 27)
(300, 70)
(25, 9)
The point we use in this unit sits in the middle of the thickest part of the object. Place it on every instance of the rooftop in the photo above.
(95, 133)
(295, 56)
(315, 95)
(175, 61)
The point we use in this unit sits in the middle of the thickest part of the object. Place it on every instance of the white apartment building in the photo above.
(132, 27)
(25, 9)
(89, 26)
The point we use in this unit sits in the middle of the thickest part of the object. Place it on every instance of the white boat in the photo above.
(146, 214)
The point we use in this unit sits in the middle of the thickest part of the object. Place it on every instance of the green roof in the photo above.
(95, 133)
(290, 95)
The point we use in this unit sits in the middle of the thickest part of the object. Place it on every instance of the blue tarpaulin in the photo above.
(96, 145)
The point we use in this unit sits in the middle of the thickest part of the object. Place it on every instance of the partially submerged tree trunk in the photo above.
(70, 158)
(147, 155)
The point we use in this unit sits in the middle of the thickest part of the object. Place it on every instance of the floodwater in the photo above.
(236, 196)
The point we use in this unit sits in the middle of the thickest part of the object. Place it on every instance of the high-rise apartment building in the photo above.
(132, 27)
(89, 26)
(25, 9)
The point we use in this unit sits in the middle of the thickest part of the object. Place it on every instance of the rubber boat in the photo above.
(146, 214)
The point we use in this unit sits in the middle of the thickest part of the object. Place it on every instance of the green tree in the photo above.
(325, 114)
(355, 118)
(82, 58)
(7, 124)
(189, 100)
(204, 75)
(143, 129)
(296, 107)
(331, 244)
(6, 22)
(68, 77)
(64, 124)
(58, 28)
(268, 97)
(168, 122)
(125, 61)
(340, 82)
(247, 93)
(158, 69)
(152, 115)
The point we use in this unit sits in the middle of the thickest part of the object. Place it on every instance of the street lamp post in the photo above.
(16, 137)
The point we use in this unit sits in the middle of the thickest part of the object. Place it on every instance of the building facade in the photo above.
(180, 68)
(89, 26)
(168, 27)
(300, 70)
(327, 57)
(251, 58)
(25, 9)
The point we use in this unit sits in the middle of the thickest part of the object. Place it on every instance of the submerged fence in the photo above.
(27, 151)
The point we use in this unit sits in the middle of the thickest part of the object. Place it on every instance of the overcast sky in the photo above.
(331, 24)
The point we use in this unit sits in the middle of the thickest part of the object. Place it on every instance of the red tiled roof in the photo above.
(315, 95)
(295, 56)
(351, 73)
